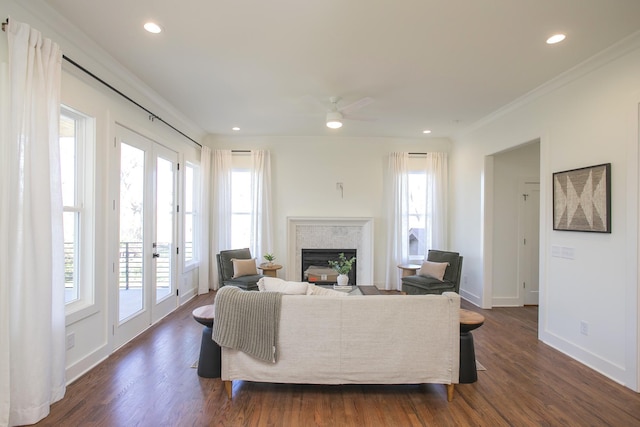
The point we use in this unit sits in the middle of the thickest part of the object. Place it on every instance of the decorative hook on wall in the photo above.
(340, 187)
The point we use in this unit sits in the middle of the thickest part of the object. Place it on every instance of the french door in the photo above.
(145, 212)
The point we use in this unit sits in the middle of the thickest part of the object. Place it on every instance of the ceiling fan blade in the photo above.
(355, 106)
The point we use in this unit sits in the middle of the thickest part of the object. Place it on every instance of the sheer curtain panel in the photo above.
(398, 202)
(220, 222)
(32, 323)
(261, 220)
(204, 282)
(437, 189)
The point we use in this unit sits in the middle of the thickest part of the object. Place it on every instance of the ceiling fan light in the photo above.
(556, 38)
(334, 120)
(152, 27)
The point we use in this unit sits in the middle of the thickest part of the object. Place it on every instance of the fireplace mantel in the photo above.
(330, 233)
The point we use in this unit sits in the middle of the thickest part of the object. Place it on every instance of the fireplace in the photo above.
(330, 233)
(315, 267)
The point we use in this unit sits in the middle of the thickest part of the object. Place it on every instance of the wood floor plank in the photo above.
(150, 382)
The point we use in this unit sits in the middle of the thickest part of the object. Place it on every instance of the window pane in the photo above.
(189, 188)
(240, 230)
(188, 237)
(71, 260)
(70, 219)
(68, 160)
(240, 209)
(417, 214)
(241, 191)
(190, 192)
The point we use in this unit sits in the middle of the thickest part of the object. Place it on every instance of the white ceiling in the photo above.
(436, 64)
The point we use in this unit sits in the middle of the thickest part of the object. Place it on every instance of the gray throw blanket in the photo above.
(247, 321)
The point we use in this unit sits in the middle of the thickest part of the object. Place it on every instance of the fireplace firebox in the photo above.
(315, 265)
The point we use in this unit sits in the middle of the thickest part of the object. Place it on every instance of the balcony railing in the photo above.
(131, 265)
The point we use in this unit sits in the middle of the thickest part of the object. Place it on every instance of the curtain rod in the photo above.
(152, 115)
(418, 154)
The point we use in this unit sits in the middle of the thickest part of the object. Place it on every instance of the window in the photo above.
(191, 216)
(76, 154)
(419, 231)
(240, 208)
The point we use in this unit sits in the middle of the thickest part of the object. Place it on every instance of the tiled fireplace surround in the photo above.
(330, 233)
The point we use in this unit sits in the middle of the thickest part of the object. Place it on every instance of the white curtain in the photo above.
(32, 309)
(437, 189)
(220, 209)
(205, 217)
(261, 219)
(435, 166)
(398, 203)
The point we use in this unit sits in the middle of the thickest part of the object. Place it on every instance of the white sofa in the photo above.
(372, 339)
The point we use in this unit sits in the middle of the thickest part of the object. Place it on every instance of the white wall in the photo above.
(93, 332)
(587, 117)
(305, 171)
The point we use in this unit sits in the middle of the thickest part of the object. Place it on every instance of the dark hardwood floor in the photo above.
(150, 382)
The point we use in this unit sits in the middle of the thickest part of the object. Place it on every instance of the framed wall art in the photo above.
(582, 199)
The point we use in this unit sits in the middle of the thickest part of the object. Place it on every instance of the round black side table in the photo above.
(209, 361)
(469, 321)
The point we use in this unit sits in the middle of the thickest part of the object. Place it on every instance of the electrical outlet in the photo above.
(584, 328)
(71, 341)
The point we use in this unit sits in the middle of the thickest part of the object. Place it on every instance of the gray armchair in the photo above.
(225, 270)
(417, 285)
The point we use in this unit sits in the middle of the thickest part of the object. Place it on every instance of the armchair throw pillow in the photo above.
(243, 267)
(433, 269)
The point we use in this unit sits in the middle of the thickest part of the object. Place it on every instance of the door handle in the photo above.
(156, 255)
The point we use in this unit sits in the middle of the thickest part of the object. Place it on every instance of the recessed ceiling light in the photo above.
(235, 128)
(426, 131)
(556, 38)
(152, 27)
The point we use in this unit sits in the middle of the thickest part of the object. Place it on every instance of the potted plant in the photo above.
(343, 267)
(269, 257)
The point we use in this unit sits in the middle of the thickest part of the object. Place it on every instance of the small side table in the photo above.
(409, 269)
(469, 320)
(209, 361)
(270, 270)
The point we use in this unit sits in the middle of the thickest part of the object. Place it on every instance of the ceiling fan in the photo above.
(336, 115)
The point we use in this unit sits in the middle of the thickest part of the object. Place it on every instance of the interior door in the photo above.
(530, 224)
(144, 208)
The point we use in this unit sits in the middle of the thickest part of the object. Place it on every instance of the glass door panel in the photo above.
(164, 228)
(131, 276)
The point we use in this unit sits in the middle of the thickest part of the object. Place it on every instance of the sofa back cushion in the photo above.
(274, 284)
